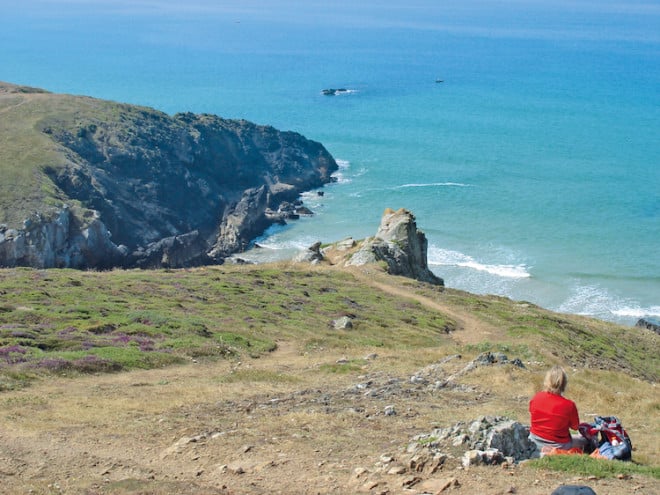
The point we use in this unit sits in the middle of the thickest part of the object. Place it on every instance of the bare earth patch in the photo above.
(273, 425)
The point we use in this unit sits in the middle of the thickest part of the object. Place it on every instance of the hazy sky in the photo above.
(534, 19)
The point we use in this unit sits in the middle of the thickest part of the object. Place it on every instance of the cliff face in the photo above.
(156, 190)
(400, 244)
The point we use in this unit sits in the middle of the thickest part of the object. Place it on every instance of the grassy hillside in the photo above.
(232, 379)
(29, 118)
(65, 319)
(55, 320)
(25, 151)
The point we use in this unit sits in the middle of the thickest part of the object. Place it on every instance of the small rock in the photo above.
(574, 490)
(460, 440)
(409, 481)
(472, 458)
(389, 411)
(235, 468)
(397, 470)
(343, 323)
(437, 485)
(346, 244)
(360, 471)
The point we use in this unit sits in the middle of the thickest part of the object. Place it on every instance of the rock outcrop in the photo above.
(649, 323)
(59, 241)
(311, 255)
(400, 245)
(485, 440)
(134, 187)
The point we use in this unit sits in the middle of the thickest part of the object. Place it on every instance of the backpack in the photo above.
(608, 436)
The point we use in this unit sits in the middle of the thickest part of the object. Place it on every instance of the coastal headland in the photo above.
(88, 183)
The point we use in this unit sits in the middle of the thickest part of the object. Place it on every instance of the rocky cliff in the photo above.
(128, 186)
(400, 245)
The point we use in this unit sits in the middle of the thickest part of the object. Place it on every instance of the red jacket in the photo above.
(552, 416)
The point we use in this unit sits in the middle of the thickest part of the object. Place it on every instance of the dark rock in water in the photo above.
(303, 210)
(139, 188)
(332, 91)
(650, 323)
(401, 245)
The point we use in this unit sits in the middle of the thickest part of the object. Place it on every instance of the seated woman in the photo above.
(553, 415)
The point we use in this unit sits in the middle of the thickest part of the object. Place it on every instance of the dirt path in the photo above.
(6, 95)
(218, 428)
(469, 330)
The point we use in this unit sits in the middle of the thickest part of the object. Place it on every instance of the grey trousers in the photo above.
(577, 441)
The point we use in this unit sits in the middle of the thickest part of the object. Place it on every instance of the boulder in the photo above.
(310, 255)
(343, 323)
(345, 244)
(400, 245)
(480, 440)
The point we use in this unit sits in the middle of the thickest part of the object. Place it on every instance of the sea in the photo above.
(524, 135)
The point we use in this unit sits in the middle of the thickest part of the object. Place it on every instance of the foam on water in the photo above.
(433, 184)
(637, 312)
(599, 302)
(340, 175)
(446, 257)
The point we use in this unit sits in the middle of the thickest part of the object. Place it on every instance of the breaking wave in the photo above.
(446, 257)
(433, 184)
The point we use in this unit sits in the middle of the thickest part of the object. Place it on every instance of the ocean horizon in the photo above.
(523, 136)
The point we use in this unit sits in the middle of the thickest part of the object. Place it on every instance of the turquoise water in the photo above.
(533, 169)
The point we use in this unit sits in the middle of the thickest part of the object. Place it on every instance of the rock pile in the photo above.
(489, 440)
(432, 378)
(486, 440)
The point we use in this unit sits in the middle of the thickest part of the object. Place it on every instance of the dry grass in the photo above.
(303, 426)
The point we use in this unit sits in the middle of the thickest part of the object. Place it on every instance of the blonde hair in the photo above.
(555, 380)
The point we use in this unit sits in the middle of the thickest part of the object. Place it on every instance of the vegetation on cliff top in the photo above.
(67, 320)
